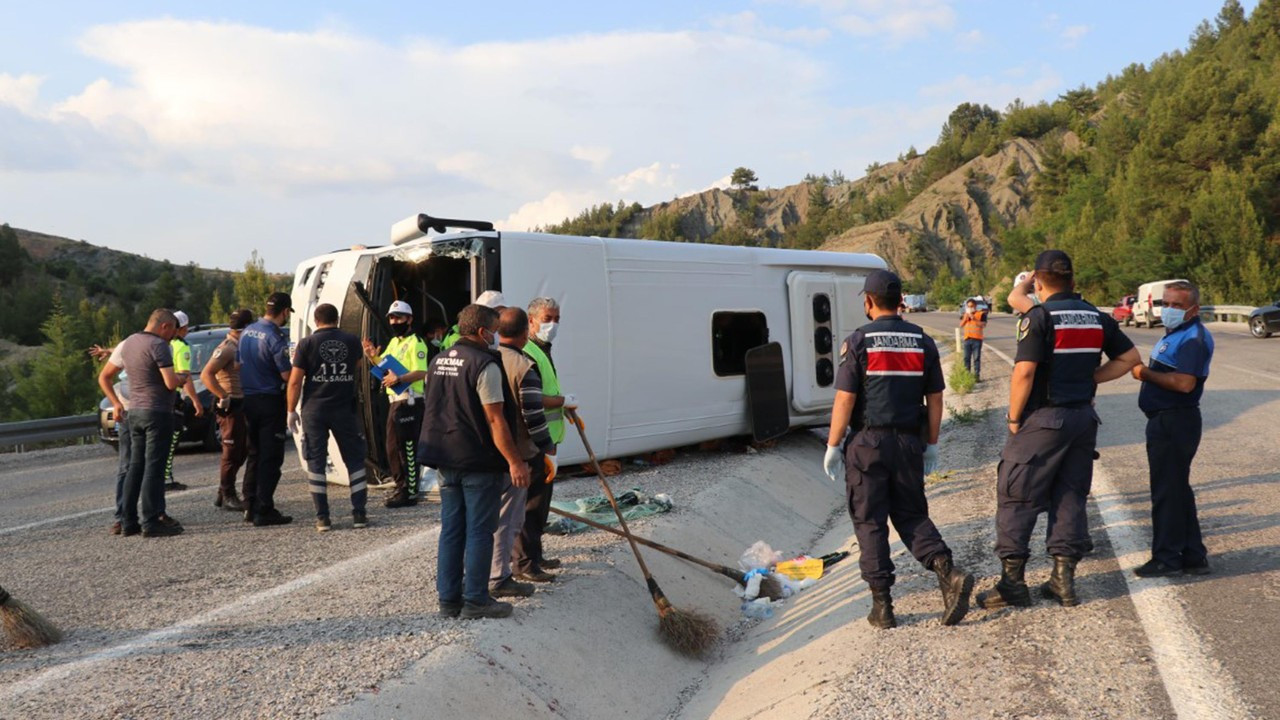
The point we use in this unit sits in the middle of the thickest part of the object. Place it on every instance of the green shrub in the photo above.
(961, 381)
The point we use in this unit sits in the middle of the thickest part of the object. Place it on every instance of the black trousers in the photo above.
(265, 416)
(1173, 436)
(884, 480)
(526, 554)
(1047, 467)
(404, 424)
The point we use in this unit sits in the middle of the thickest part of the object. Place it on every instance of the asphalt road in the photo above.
(1237, 483)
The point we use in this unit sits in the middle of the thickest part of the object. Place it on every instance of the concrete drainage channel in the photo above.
(591, 650)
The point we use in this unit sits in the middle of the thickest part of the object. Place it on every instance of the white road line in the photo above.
(87, 513)
(1197, 684)
(338, 570)
(1255, 373)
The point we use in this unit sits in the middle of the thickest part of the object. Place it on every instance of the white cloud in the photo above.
(749, 24)
(1072, 34)
(595, 156)
(971, 40)
(551, 209)
(988, 90)
(656, 176)
(895, 21)
(20, 91)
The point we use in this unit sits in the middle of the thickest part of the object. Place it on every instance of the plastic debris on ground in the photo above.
(634, 504)
(795, 574)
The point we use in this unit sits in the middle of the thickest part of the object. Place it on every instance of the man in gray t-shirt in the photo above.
(151, 382)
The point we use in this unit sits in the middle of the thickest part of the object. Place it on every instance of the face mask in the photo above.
(866, 310)
(435, 342)
(400, 329)
(1172, 317)
(493, 341)
(547, 332)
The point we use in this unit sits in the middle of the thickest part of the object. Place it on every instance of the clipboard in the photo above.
(379, 371)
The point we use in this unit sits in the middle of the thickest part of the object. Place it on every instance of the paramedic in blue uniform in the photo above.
(326, 364)
(264, 370)
(1170, 397)
(1047, 462)
(889, 391)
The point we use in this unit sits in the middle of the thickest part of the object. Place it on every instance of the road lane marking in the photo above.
(339, 570)
(87, 513)
(1197, 684)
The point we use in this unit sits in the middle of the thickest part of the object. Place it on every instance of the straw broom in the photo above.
(688, 632)
(23, 626)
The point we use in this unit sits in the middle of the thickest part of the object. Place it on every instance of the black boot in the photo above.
(1062, 582)
(881, 615)
(956, 586)
(1011, 589)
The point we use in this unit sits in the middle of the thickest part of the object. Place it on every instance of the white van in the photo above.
(1146, 308)
(654, 335)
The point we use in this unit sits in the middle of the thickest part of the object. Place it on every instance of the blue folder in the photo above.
(390, 363)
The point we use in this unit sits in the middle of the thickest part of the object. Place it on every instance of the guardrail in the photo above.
(1226, 313)
(29, 432)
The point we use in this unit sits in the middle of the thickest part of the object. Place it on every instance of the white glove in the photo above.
(224, 404)
(295, 423)
(571, 401)
(833, 463)
(931, 459)
(552, 465)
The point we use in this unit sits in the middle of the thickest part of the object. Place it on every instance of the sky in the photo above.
(202, 132)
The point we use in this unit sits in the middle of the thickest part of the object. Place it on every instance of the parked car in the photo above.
(1123, 311)
(1265, 320)
(203, 341)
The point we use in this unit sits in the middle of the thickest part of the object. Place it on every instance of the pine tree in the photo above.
(218, 314)
(254, 285)
(60, 381)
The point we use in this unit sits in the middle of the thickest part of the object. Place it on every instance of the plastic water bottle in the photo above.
(760, 608)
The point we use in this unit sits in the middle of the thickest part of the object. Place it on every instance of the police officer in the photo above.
(889, 374)
(466, 434)
(404, 416)
(182, 366)
(325, 368)
(1047, 462)
(1170, 397)
(264, 369)
(221, 375)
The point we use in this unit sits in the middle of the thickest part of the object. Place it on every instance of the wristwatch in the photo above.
(1011, 421)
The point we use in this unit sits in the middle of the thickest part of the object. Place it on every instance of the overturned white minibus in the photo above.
(654, 335)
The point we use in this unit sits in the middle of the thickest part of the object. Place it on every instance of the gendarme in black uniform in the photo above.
(891, 365)
(330, 358)
(1047, 466)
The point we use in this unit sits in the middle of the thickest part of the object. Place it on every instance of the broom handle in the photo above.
(608, 492)
(722, 569)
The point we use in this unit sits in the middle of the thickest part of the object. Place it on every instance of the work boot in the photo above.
(1011, 590)
(400, 499)
(1062, 582)
(493, 609)
(881, 615)
(956, 586)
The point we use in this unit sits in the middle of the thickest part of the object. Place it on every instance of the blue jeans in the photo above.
(973, 357)
(150, 432)
(469, 502)
(122, 435)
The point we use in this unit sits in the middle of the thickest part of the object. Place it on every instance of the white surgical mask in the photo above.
(493, 341)
(1172, 317)
(547, 332)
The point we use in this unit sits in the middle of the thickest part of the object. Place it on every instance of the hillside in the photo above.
(1170, 169)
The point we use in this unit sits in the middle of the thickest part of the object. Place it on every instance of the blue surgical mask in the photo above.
(1172, 317)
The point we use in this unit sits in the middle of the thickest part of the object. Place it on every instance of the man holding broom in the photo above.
(889, 374)
(466, 435)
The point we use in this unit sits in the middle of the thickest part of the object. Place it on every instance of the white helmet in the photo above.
(182, 319)
(400, 307)
(491, 298)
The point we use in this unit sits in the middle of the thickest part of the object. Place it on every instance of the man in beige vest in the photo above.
(533, 440)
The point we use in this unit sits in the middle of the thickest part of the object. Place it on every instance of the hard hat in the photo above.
(182, 318)
(400, 307)
(491, 298)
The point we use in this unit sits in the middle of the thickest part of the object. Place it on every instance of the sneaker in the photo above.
(115, 528)
(162, 530)
(1196, 567)
(360, 521)
(550, 564)
(399, 500)
(538, 576)
(494, 609)
(323, 525)
(174, 486)
(449, 609)
(511, 588)
(1155, 568)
